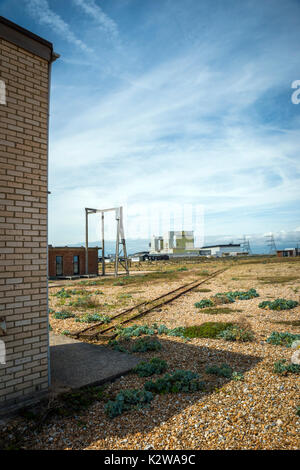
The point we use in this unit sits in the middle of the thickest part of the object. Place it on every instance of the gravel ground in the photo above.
(256, 413)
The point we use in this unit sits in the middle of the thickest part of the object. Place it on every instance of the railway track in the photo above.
(105, 331)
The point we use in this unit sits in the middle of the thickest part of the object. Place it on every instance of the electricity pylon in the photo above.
(245, 245)
(271, 243)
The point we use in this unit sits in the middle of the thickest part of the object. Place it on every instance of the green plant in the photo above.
(292, 323)
(178, 381)
(127, 399)
(281, 367)
(220, 310)
(134, 330)
(236, 333)
(227, 297)
(83, 302)
(298, 411)
(146, 344)
(154, 366)
(278, 304)
(62, 294)
(65, 332)
(204, 303)
(115, 344)
(282, 339)
(240, 295)
(138, 330)
(224, 370)
(63, 315)
(95, 317)
(163, 330)
(75, 402)
(206, 330)
(237, 376)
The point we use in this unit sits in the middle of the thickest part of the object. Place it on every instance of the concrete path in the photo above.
(75, 364)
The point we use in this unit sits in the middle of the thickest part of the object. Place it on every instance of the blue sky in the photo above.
(159, 102)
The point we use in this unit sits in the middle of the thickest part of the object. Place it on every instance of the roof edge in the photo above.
(27, 40)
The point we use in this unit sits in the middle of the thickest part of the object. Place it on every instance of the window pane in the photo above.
(76, 264)
(59, 265)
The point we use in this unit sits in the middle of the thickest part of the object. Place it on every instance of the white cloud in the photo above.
(40, 10)
(95, 11)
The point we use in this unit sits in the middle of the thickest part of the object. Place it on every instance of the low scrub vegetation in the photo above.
(93, 317)
(238, 333)
(283, 368)
(206, 330)
(154, 366)
(277, 279)
(278, 304)
(63, 315)
(178, 381)
(224, 370)
(283, 338)
(226, 297)
(83, 302)
(126, 400)
(146, 343)
(220, 310)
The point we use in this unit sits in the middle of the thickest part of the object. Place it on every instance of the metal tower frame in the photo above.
(120, 239)
(245, 245)
(271, 243)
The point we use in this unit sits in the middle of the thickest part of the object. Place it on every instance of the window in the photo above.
(76, 264)
(59, 265)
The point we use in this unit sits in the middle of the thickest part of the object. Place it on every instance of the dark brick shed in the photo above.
(64, 261)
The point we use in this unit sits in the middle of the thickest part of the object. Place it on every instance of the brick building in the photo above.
(288, 252)
(70, 261)
(25, 63)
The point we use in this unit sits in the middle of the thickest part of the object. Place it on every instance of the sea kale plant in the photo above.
(154, 366)
(126, 400)
(278, 304)
(224, 370)
(178, 381)
(282, 339)
(283, 368)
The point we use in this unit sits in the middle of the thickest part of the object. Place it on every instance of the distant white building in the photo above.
(230, 249)
(174, 242)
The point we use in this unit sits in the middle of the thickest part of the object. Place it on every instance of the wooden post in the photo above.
(86, 242)
(117, 242)
(123, 241)
(103, 251)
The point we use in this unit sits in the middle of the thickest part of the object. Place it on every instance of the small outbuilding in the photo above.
(65, 261)
(288, 252)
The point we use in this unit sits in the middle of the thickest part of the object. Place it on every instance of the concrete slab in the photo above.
(75, 364)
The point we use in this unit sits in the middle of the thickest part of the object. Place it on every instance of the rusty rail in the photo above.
(97, 330)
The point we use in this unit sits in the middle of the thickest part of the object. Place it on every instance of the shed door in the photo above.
(59, 265)
(76, 264)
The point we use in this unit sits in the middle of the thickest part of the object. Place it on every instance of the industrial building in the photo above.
(174, 243)
(230, 249)
(64, 261)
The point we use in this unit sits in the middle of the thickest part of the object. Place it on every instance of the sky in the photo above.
(171, 103)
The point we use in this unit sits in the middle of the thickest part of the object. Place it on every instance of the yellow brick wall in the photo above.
(23, 224)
